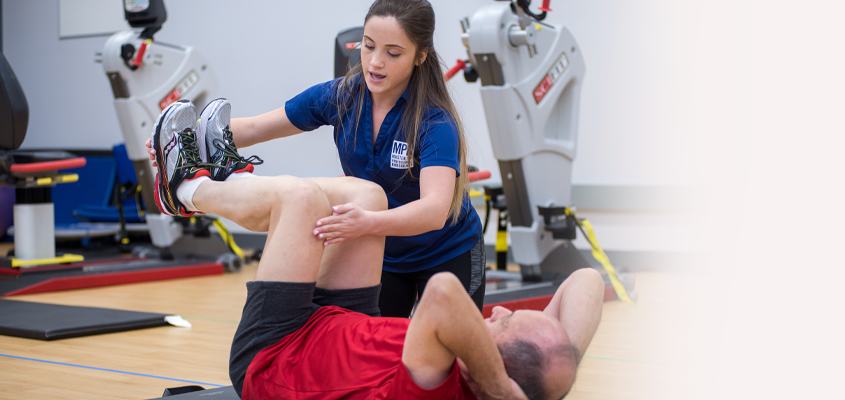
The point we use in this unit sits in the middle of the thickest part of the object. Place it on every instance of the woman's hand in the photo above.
(347, 222)
(152, 151)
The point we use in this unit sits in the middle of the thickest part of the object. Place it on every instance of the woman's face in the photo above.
(387, 57)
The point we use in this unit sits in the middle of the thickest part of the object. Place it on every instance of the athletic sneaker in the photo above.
(219, 145)
(177, 155)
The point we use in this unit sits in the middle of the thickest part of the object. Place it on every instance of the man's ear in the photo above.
(423, 55)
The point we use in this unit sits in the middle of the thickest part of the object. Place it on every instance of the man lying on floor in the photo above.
(311, 325)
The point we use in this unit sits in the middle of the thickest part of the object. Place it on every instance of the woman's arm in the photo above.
(427, 214)
(261, 128)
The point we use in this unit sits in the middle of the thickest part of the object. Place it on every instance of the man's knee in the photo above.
(270, 196)
(368, 195)
(293, 192)
(376, 196)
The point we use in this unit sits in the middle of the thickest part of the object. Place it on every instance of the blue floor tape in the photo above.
(112, 370)
(216, 385)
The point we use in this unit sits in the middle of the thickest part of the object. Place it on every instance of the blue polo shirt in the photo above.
(386, 164)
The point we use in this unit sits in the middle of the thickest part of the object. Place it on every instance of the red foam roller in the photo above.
(29, 168)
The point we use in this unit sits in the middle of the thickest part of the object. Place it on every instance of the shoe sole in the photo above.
(158, 155)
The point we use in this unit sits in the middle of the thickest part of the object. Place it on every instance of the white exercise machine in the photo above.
(146, 76)
(531, 75)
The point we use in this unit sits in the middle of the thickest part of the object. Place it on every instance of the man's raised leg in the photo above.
(352, 263)
(260, 203)
(286, 207)
(249, 202)
(280, 299)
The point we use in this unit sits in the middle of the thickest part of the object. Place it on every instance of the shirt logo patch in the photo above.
(399, 155)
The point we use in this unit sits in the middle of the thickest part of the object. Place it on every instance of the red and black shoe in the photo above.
(222, 153)
(232, 161)
(177, 155)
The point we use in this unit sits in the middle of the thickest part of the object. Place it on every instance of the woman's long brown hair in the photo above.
(427, 87)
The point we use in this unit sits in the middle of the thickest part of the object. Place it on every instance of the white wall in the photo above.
(264, 52)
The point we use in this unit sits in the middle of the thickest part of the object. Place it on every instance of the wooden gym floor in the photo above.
(641, 351)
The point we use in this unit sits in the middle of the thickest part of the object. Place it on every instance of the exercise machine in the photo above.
(32, 174)
(531, 74)
(146, 76)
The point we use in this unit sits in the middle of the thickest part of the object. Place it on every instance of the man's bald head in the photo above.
(536, 351)
(540, 374)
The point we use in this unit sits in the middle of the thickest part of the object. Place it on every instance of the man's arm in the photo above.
(577, 304)
(447, 324)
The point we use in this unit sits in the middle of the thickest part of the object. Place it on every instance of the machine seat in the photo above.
(24, 168)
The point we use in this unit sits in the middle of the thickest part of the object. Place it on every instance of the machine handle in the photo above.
(523, 4)
(141, 50)
(478, 176)
(454, 70)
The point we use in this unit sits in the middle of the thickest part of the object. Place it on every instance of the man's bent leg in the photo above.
(247, 201)
(352, 263)
(280, 300)
(286, 207)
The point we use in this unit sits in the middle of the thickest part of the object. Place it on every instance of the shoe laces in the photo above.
(231, 151)
(191, 151)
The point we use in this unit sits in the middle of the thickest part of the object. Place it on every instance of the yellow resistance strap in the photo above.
(598, 254)
(227, 237)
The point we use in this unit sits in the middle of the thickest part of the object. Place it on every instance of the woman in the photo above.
(395, 125)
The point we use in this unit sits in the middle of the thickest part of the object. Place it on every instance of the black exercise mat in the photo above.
(52, 321)
(196, 392)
